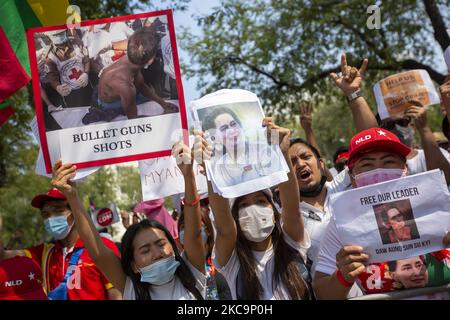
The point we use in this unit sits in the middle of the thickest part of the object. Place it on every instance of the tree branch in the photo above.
(276, 80)
(440, 32)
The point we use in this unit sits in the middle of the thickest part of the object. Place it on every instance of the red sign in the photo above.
(104, 217)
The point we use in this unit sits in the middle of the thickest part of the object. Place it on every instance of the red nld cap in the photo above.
(375, 138)
(52, 194)
(341, 156)
(20, 279)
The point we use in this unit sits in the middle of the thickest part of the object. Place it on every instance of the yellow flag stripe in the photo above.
(50, 12)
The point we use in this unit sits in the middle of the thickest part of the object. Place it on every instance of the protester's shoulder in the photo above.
(111, 245)
(340, 182)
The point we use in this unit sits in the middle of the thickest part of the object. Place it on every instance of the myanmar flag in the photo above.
(16, 16)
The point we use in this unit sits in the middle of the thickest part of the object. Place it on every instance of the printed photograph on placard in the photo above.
(241, 152)
(101, 74)
(396, 221)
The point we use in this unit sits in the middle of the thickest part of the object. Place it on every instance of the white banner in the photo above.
(397, 219)
(161, 178)
(243, 161)
(40, 164)
(119, 138)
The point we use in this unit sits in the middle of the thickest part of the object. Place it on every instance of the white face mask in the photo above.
(256, 222)
(378, 175)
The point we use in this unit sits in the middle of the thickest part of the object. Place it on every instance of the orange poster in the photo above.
(394, 93)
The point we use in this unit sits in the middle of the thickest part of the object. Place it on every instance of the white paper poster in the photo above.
(397, 219)
(242, 161)
(161, 178)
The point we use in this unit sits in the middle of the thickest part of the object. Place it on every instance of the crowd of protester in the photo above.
(278, 243)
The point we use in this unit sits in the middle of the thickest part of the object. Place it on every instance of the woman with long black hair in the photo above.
(151, 266)
(260, 252)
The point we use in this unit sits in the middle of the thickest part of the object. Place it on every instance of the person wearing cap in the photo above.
(68, 271)
(404, 129)
(375, 155)
(310, 168)
(151, 266)
(20, 277)
(340, 158)
(261, 253)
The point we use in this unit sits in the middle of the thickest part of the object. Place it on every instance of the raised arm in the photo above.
(305, 110)
(105, 259)
(444, 89)
(193, 244)
(225, 226)
(350, 82)
(289, 192)
(433, 155)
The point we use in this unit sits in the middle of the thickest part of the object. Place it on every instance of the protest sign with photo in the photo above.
(242, 160)
(394, 93)
(107, 91)
(105, 217)
(397, 219)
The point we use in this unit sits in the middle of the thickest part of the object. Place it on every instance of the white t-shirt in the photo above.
(173, 290)
(264, 269)
(316, 220)
(326, 259)
(418, 163)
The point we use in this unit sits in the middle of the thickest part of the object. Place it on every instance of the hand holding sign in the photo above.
(184, 158)
(350, 262)
(62, 173)
(419, 113)
(282, 134)
(444, 89)
(202, 149)
(351, 78)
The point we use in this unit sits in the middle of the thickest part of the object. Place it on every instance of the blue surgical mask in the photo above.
(160, 272)
(202, 232)
(57, 227)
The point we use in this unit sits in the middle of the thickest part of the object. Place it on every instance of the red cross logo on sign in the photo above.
(75, 74)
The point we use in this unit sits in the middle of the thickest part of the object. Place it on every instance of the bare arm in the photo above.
(104, 258)
(350, 262)
(306, 123)
(445, 96)
(328, 287)
(350, 82)
(225, 226)
(114, 294)
(433, 155)
(289, 192)
(193, 244)
(148, 91)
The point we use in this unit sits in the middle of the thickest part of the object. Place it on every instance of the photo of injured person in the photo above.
(106, 72)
